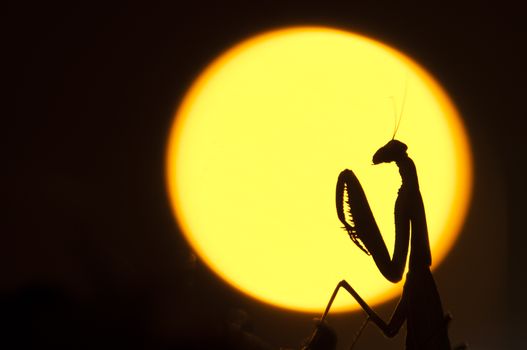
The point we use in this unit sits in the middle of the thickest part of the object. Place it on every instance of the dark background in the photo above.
(90, 255)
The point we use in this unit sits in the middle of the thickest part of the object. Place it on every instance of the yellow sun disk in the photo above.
(258, 143)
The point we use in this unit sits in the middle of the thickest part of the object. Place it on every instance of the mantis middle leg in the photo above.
(391, 328)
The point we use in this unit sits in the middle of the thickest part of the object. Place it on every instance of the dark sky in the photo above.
(90, 255)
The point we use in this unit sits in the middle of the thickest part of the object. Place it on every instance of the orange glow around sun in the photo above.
(259, 140)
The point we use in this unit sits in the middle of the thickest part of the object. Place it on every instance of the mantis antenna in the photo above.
(398, 119)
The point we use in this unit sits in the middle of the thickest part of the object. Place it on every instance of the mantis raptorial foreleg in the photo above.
(362, 226)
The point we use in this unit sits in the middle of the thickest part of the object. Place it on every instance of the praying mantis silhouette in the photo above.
(420, 304)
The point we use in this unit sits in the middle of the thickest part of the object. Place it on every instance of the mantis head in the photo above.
(391, 152)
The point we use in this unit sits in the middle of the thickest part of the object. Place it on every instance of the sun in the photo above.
(258, 142)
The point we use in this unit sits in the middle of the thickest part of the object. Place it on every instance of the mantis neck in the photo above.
(420, 256)
(408, 173)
